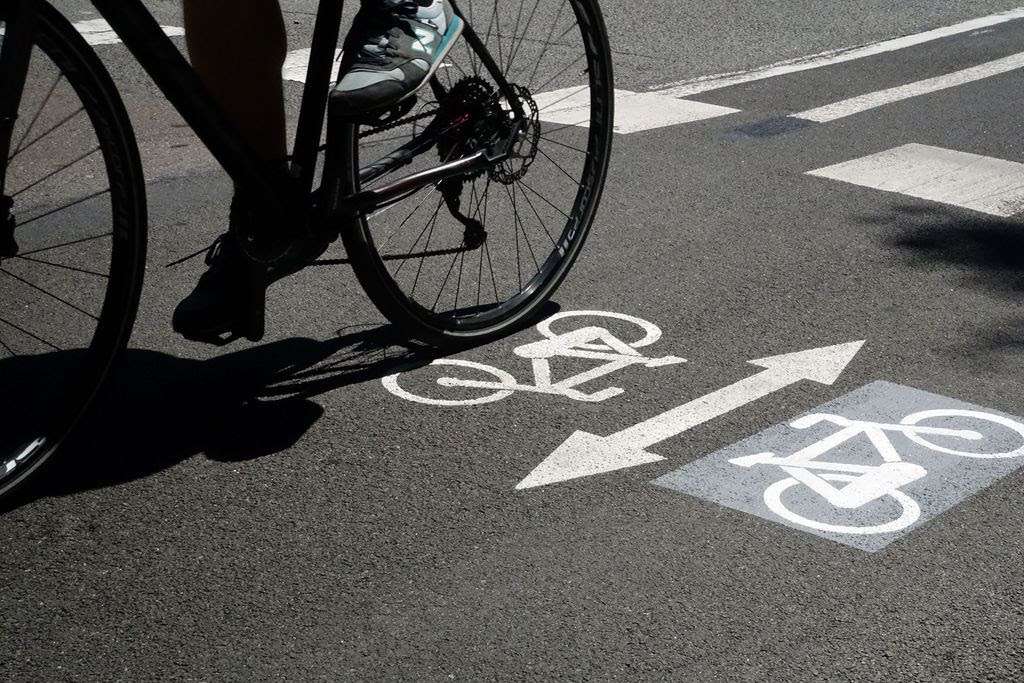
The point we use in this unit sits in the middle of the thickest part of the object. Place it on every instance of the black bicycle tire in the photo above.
(370, 270)
(92, 83)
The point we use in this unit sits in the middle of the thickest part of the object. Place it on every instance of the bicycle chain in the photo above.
(398, 122)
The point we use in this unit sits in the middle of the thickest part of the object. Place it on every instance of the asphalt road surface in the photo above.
(286, 511)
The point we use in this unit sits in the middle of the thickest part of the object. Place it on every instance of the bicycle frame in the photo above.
(286, 194)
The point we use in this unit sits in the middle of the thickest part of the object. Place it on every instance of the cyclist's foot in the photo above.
(218, 303)
(391, 53)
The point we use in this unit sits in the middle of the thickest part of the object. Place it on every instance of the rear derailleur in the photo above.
(474, 235)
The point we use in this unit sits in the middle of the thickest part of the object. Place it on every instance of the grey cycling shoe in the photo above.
(392, 53)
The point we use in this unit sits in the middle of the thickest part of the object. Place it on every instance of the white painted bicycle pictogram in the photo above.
(470, 383)
(850, 486)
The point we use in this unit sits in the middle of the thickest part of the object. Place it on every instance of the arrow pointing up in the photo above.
(585, 454)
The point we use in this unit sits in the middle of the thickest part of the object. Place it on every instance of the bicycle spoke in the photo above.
(451, 269)
(540, 220)
(66, 244)
(562, 144)
(420, 236)
(25, 332)
(49, 294)
(559, 167)
(426, 248)
(568, 125)
(59, 170)
(47, 132)
(39, 112)
(540, 88)
(544, 199)
(94, 195)
(517, 44)
(9, 350)
(62, 266)
(522, 226)
(547, 43)
(490, 265)
(565, 97)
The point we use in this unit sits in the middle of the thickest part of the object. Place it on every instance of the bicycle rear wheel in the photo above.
(441, 281)
(73, 245)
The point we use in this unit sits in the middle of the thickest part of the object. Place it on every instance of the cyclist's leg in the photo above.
(238, 48)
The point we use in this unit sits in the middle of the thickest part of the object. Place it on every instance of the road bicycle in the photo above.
(850, 486)
(461, 211)
(587, 343)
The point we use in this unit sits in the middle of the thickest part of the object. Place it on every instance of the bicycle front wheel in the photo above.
(72, 247)
(449, 281)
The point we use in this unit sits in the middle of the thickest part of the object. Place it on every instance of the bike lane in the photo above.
(335, 529)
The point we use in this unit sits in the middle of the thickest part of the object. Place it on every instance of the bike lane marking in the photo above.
(607, 353)
(584, 454)
(863, 470)
(970, 181)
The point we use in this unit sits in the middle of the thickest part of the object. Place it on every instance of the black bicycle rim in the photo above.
(80, 216)
(560, 225)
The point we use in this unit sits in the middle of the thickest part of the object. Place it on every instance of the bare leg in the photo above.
(238, 47)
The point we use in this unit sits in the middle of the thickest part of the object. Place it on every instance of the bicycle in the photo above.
(588, 343)
(520, 196)
(864, 484)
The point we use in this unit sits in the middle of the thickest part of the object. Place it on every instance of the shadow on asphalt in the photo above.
(158, 410)
(986, 253)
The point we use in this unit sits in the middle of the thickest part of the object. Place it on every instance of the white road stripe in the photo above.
(822, 59)
(980, 183)
(296, 64)
(855, 105)
(634, 112)
(99, 32)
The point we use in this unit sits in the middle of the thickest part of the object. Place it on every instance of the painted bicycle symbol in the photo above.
(850, 486)
(469, 383)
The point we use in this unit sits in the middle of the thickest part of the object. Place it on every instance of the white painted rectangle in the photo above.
(856, 105)
(634, 112)
(296, 64)
(980, 183)
(99, 32)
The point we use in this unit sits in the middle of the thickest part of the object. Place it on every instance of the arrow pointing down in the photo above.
(584, 454)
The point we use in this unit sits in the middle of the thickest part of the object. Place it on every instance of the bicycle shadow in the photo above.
(977, 252)
(159, 410)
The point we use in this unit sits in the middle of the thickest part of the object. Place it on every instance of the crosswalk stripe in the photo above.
(98, 32)
(971, 181)
(634, 112)
(822, 59)
(861, 103)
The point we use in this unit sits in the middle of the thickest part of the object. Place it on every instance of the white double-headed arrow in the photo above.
(584, 455)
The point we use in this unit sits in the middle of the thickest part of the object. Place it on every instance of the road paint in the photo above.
(970, 181)
(296, 63)
(462, 384)
(873, 100)
(98, 32)
(634, 112)
(584, 454)
(865, 469)
(830, 57)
